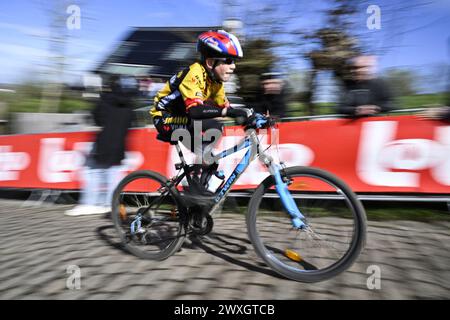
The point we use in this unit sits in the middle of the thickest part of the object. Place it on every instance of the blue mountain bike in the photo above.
(305, 223)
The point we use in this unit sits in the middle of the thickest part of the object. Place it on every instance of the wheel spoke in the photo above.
(161, 232)
(330, 239)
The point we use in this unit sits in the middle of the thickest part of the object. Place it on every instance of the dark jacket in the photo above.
(114, 113)
(369, 92)
(446, 115)
(274, 103)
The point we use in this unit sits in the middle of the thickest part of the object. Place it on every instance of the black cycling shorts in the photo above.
(166, 126)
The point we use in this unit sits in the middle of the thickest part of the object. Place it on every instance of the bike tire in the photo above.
(294, 265)
(167, 213)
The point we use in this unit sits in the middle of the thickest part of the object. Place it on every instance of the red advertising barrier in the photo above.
(380, 154)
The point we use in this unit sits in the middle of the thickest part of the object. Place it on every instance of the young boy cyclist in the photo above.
(195, 96)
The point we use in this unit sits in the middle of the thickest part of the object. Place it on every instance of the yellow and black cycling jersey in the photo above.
(189, 88)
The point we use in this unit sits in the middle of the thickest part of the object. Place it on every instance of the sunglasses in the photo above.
(226, 60)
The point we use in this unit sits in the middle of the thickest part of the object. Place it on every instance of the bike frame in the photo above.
(251, 140)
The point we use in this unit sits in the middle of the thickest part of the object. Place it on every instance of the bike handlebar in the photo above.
(259, 121)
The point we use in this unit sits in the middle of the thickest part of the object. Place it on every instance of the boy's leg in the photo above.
(212, 132)
(205, 134)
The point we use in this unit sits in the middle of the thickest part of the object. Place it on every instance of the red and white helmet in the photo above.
(219, 44)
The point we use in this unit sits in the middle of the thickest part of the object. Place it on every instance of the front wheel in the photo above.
(335, 225)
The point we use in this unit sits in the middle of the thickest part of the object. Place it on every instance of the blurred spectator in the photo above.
(114, 114)
(272, 96)
(145, 83)
(364, 94)
(157, 85)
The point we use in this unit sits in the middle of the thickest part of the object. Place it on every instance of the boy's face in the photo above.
(223, 70)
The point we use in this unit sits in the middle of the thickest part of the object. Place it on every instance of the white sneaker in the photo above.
(104, 209)
(84, 209)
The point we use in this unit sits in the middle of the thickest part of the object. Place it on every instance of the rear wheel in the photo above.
(335, 219)
(147, 216)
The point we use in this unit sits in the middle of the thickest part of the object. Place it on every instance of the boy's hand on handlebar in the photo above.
(259, 121)
(248, 118)
(238, 112)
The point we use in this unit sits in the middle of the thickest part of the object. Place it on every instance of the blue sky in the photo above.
(417, 35)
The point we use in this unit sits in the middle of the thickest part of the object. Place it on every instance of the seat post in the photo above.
(180, 154)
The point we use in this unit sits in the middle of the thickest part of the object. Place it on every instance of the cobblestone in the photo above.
(37, 244)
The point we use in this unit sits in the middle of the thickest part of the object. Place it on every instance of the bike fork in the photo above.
(287, 200)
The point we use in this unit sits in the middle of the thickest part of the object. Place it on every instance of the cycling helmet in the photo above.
(219, 44)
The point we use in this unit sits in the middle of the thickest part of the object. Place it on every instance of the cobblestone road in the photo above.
(39, 243)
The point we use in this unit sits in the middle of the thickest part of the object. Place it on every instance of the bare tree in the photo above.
(56, 11)
(325, 48)
(331, 46)
(260, 59)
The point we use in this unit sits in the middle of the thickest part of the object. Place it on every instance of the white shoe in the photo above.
(84, 209)
(104, 209)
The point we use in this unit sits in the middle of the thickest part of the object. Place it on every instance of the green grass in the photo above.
(407, 211)
(298, 109)
(375, 211)
(72, 105)
(420, 100)
(28, 98)
(66, 105)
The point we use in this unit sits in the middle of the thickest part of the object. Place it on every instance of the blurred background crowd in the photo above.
(300, 58)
